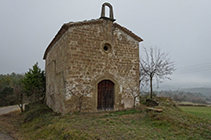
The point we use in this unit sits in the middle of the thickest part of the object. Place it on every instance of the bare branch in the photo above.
(80, 92)
(156, 64)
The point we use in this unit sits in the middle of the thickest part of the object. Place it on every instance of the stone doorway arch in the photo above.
(105, 95)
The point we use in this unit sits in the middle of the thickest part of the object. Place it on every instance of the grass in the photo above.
(204, 112)
(191, 103)
(8, 123)
(173, 123)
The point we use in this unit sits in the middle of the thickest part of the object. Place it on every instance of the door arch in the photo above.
(105, 98)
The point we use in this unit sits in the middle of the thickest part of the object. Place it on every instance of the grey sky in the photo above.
(179, 27)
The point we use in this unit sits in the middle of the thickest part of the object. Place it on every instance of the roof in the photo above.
(66, 26)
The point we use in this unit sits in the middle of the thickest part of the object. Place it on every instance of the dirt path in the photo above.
(5, 110)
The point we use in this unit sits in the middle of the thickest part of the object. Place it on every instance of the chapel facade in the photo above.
(92, 65)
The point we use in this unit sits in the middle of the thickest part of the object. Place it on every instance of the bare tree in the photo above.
(80, 92)
(143, 82)
(155, 64)
(18, 90)
(131, 91)
(134, 93)
(176, 96)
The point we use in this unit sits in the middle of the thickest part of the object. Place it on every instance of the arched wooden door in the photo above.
(105, 100)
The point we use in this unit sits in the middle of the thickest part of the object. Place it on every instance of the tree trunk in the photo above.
(80, 102)
(134, 103)
(150, 87)
(21, 108)
(20, 104)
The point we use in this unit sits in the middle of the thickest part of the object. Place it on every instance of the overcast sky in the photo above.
(181, 28)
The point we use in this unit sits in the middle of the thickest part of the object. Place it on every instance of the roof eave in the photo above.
(66, 26)
(62, 30)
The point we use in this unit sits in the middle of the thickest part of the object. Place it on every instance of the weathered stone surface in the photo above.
(76, 58)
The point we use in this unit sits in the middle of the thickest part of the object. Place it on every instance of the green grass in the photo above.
(190, 103)
(173, 123)
(204, 112)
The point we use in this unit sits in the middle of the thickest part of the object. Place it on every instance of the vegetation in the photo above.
(18, 90)
(14, 87)
(41, 123)
(155, 64)
(80, 93)
(204, 91)
(7, 84)
(34, 84)
(204, 112)
(181, 96)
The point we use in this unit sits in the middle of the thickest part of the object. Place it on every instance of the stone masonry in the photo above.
(81, 56)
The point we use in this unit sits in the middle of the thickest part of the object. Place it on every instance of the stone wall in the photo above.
(55, 81)
(77, 62)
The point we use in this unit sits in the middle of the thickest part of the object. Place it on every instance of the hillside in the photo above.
(41, 123)
(204, 91)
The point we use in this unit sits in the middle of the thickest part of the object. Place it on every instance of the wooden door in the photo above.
(105, 95)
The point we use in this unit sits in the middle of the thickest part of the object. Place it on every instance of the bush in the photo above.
(34, 110)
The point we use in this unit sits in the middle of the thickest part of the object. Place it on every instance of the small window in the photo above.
(106, 48)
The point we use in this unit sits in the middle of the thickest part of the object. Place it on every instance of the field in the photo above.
(173, 123)
(204, 112)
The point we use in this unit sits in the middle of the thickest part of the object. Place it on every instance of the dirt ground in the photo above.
(5, 110)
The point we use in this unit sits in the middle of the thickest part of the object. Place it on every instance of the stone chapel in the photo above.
(92, 65)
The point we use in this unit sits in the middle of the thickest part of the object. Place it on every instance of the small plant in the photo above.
(80, 92)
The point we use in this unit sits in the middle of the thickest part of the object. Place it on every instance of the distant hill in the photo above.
(204, 91)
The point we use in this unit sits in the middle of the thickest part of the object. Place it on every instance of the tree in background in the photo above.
(34, 84)
(6, 97)
(19, 94)
(7, 84)
(155, 64)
